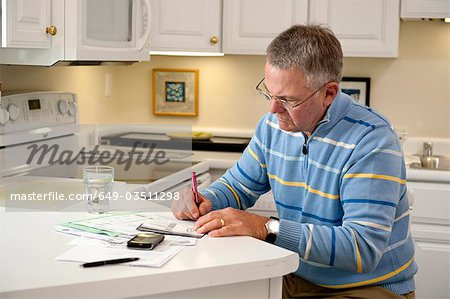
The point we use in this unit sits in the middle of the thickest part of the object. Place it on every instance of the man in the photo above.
(336, 172)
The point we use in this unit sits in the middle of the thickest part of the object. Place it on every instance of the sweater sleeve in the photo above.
(372, 192)
(245, 182)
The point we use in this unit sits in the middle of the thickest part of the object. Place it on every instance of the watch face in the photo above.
(273, 226)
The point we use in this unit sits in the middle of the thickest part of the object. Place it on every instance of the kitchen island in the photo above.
(232, 267)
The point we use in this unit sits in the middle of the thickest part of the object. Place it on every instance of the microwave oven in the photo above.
(72, 32)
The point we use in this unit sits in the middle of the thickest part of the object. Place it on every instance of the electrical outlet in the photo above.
(108, 84)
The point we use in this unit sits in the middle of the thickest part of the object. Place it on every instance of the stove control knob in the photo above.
(63, 106)
(14, 112)
(4, 117)
(72, 109)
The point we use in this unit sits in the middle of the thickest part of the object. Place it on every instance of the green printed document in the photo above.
(129, 224)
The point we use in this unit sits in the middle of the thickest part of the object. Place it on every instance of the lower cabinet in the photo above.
(433, 259)
(431, 233)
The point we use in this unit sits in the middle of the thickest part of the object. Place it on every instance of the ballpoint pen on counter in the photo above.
(194, 188)
(109, 262)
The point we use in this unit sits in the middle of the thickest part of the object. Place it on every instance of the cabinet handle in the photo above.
(214, 40)
(52, 30)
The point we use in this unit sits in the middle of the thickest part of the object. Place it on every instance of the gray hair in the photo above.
(314, 49)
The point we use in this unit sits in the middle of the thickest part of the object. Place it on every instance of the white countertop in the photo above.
(413, 147)
(427, 175)
(28, 269)
(222, 160)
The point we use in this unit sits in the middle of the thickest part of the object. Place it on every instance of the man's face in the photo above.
(290, 85)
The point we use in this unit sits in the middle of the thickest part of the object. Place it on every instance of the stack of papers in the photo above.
(166, 226)
(105, 237)
(93, 253)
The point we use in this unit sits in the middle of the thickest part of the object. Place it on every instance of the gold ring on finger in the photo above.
(222, 222)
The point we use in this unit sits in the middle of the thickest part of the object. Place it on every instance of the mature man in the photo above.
(336, 172)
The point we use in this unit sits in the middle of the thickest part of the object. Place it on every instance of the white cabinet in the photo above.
(368, 28)
(250, 25)
(417, 9)
(43, 32)
(186, 25)
(25, 23)
(431, 232)
(24, 37)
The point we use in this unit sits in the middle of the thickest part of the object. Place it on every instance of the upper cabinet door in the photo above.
(250, 25)
(368, 28)
(425, 9)
(24, 23)
(186, 25)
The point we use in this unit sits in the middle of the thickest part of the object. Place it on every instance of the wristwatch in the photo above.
(273, 227)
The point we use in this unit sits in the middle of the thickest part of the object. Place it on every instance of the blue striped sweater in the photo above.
(340, 196)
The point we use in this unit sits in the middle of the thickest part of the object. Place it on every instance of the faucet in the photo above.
(427, 149)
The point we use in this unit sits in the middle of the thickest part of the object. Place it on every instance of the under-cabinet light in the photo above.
(179, 53)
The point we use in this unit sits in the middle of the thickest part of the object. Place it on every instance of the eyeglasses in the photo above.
(293, 104)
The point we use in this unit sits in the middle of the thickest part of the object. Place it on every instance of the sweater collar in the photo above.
(335, 112)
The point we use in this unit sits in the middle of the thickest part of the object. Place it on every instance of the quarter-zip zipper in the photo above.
(305, 144)
(305, 155)
(305, 148)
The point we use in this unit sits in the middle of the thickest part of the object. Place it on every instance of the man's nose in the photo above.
(275, 106)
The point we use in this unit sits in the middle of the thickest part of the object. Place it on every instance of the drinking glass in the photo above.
(98, 183)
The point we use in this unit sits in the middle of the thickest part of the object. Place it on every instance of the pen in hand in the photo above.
(194, 188)
(109, 262)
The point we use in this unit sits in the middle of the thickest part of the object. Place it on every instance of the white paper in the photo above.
(163, 224)
(147, 258)
(184, 241)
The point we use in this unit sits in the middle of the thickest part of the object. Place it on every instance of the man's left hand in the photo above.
(232, 222)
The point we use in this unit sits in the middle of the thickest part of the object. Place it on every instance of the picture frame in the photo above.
(175, 92)
(358, 88)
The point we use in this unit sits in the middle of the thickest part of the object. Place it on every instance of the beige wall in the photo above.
(413, 90)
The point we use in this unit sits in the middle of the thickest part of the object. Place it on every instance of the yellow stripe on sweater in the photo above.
(232, 191)
(358, 254)
(256, 157)
(370, 281)
(374, 176)
(304, 185)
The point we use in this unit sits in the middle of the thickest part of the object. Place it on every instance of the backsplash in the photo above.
(412, 90)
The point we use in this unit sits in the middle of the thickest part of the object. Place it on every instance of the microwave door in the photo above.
(124, 23)
(107, 30)
(109, 21)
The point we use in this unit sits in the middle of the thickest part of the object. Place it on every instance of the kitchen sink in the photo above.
(433, 162)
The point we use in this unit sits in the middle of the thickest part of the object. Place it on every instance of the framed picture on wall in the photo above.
(175, 91)
(358, 88)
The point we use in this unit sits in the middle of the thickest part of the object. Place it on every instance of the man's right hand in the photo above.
(185, 207)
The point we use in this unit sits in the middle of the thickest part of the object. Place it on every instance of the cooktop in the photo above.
(144, 139)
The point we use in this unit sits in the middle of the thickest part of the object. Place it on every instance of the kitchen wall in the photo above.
(413, 90)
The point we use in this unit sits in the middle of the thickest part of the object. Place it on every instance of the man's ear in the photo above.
(332, 89)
